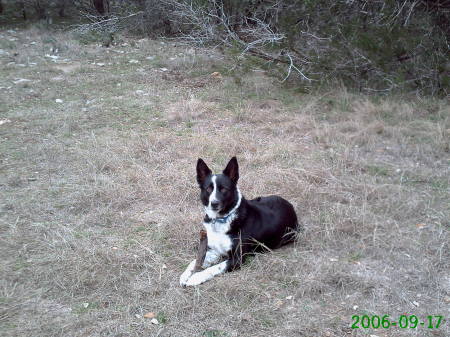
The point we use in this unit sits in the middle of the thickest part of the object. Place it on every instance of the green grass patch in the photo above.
(355, 256)
(440, 184)
(378, 171)
(20, 264)
(85, 307)
(214, 333)
(162, 318)
(267, 322)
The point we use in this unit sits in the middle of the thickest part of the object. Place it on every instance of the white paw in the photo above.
(187, 274)
(196, 279)
(185, 277)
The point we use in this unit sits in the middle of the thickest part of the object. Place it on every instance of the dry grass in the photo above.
(188, 109)
(99, 211)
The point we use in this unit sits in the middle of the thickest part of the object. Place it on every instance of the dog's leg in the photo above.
(212, 257)
(187, 273)
(208, 273)
(236, 258)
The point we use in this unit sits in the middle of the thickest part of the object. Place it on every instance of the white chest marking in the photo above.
(217, 239)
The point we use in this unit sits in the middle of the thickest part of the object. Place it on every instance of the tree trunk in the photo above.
(22, 8)
(62, 8)
(41, 10)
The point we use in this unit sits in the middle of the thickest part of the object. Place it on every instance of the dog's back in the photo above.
(265, 222)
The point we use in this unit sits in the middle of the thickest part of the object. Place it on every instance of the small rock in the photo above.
(85, 305)
(154, 321)
(133, 61)
(416, 303)
(333, 259)
(355, 307)
(150, 58)
(4, 121)
(216, 74)
(447, 299)
(58, 100)
(246, 317)
(163, 69)
(150, 315)
(278, 304)
(289, 297)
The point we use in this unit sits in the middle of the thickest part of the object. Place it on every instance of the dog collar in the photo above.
(223, 219)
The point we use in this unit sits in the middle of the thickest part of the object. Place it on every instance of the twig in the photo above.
(202, 248)
(292, 66)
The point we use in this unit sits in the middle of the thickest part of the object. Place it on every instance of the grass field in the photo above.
(99, 209)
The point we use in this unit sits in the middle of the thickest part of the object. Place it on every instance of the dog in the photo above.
(237, 227)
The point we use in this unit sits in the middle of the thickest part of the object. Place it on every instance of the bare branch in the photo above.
(292, 66)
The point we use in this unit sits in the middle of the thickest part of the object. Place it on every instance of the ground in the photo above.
(99, 209)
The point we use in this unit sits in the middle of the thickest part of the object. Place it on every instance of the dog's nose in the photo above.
(215, 204)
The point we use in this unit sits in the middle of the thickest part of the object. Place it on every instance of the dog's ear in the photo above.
(232, 170)
(202, 171)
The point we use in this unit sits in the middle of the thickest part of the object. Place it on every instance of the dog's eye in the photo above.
(209, 189)
(223, 190)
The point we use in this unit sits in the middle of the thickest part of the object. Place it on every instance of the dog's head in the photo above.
(218, 192)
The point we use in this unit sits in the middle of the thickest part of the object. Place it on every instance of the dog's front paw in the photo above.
(187, 274)
(196, 279)
(184, 278)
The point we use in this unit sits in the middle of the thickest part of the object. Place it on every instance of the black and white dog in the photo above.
(235, 226)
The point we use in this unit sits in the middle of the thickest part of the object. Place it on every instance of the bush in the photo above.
(381, 46)
(371, 45)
